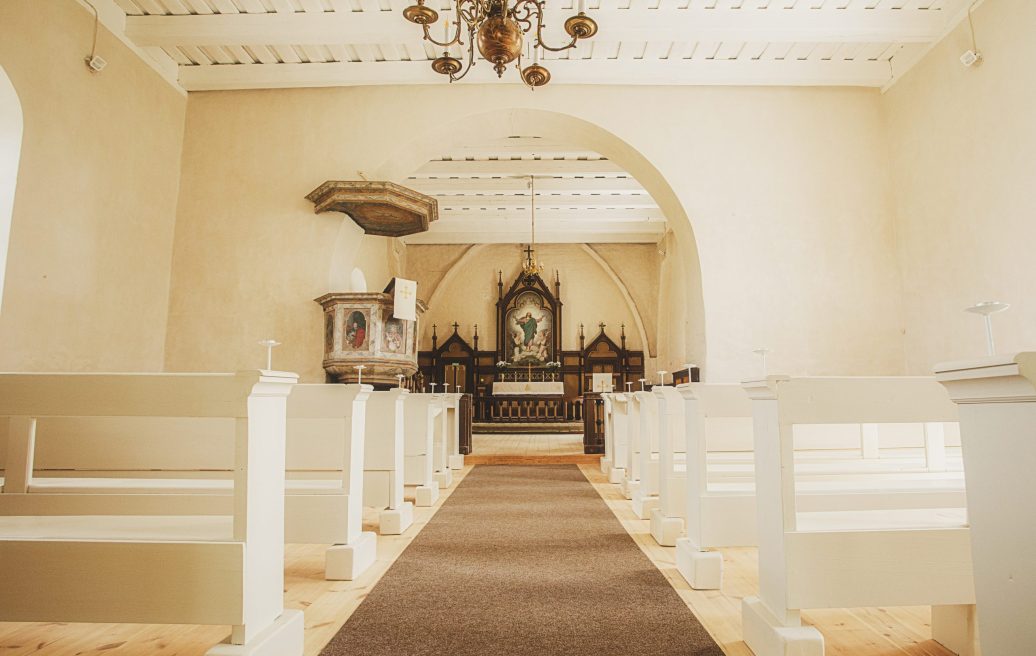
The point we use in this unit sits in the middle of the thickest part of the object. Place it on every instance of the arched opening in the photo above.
(438, 137)
(10, 152)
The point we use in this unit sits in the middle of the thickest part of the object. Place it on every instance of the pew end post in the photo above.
(996, 397)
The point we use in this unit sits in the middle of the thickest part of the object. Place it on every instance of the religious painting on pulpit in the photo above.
(329, 332)
(394, 337)
(355, 332)
(529, 328)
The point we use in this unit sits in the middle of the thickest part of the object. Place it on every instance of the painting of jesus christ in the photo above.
(529, 327)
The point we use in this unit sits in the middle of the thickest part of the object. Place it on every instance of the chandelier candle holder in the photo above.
(270, 344)
(499, 29)
(762, 353)
(987, 309)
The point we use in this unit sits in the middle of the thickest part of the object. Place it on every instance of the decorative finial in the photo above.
(476, 330)
(601, 326)
(269, 344)
(455, 327)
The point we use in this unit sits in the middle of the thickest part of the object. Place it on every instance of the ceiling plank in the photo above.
(632, 72)
(437, 186)
(519, 167)
(691, 24)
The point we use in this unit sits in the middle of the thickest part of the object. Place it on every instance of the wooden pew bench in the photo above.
(384, 461)
(615, 461)
(832, 473)
(907, 555)
(78, 468)
(167, 569)
(996, 398)
(423, 430)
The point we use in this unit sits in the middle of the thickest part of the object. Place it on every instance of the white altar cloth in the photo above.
(537, 388)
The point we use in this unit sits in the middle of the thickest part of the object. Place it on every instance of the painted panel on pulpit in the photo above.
(530, 326)
(329, 332)
(355, 335)
(394, 337)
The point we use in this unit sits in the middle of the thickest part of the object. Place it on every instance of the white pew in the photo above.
(645, 496)
(997, 404)
(383, 461)
(632, 474)
(667, 520)
(832, 559)
(616, 435)
(423, 424)
(172, 569)
(847, 466)
(83, 470)
(446, 435)
(455, 459)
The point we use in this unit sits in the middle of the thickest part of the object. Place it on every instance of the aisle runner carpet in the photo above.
(523, 560)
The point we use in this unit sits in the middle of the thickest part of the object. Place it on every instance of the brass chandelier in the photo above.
(498, 28)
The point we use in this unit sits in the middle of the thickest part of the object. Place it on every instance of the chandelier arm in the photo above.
(456, 38)
(539, 29)
(471, 56)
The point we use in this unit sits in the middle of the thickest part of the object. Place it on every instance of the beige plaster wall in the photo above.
(460, 284)
(964, 162)
(786, 190)
(88, 267)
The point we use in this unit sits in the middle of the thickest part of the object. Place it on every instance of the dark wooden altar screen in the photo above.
(458, 362)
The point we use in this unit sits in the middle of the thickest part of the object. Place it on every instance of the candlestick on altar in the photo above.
(761, 352)
(629, 388)
(987, 308)
(399, 378)
(661, 378)
(642, 382)
(445, 388)
(434, 385)
(269, 344)
(359, 373)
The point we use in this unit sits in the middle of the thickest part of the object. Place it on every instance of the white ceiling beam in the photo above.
(636, 72)
(474, 235)
(505, 217)
(799, 24)
(112, 17)
(546, 201)
(474, 186)
(518, 167)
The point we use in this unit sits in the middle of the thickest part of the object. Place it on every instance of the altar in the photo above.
(529, 388)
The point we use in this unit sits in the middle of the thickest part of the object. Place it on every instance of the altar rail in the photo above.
(522, 409)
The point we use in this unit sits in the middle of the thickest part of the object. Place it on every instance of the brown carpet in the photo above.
(523, 560)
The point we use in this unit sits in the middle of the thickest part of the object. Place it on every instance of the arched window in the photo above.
(357, 281)
(10, 151)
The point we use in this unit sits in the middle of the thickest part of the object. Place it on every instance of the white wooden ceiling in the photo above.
(581, 197)
(239, 44)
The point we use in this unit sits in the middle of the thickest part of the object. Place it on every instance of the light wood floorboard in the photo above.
(847, 632)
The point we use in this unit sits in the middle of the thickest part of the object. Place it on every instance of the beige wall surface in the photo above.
(964, 165)
(786, 190)
(460, 284)
(87, 278)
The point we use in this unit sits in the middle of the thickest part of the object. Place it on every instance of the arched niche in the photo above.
(10, 153)
(435, 137)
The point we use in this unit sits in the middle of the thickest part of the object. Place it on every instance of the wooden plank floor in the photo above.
(327, 604)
